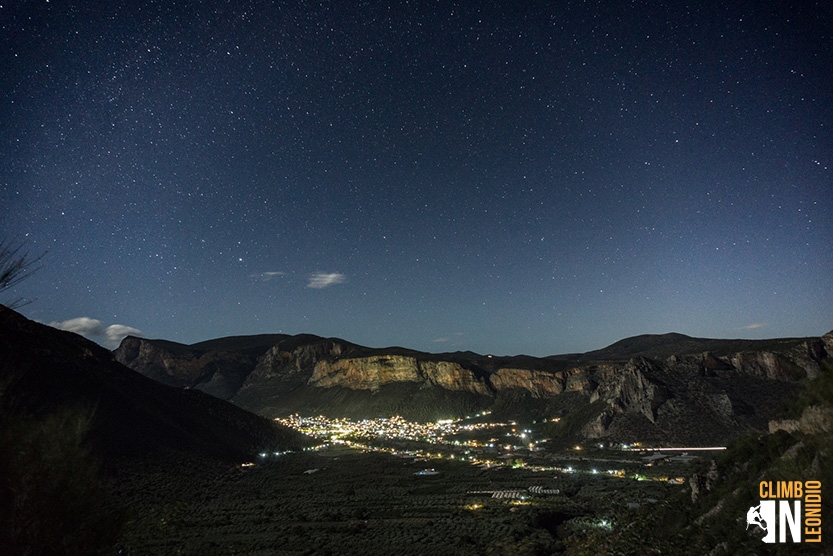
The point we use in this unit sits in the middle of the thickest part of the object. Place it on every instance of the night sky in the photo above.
(502, 177)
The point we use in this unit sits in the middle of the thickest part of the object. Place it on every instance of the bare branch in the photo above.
(16, 265)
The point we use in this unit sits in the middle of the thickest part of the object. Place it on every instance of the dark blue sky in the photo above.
(505, 177)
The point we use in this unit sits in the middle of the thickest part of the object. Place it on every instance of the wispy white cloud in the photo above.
(320, 280)
(92, 329)
(84, 326)
(266, 276)
(115, 333)
(754, 326)
(440, 340)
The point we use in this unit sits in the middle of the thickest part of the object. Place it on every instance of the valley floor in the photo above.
(342, 501)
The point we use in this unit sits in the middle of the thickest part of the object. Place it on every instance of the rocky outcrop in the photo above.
(704, 364)
(702, 484)
(814, 420)
(371, 373)
(219, 373)
(598, 426)
(452, 376)
(365, 373)
(720, 405)
(579, 380)
(630, 390)
(796, 363)
(282, 362)
(154, 360)
(777, 366)
(827, 340)
(539, 384)
(625, 392)
(282, 370)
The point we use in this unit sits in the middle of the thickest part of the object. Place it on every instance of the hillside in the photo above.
(43, 370)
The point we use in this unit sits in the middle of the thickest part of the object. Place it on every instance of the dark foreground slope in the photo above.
(77, 429)
(43, 370)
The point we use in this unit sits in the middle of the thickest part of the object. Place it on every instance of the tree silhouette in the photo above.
(16, 265)
(54, 500)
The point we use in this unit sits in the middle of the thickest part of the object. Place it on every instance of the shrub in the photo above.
(53, 499)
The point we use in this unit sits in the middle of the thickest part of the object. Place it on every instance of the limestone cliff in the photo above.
(539, 384)
(630, 389)
(285, 368)
(366, 373)
(284, 362)
(452, 376)
(776, 366)
(694, 398)
(580, 380)
(373, 372)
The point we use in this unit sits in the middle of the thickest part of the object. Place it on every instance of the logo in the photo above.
(788, 508)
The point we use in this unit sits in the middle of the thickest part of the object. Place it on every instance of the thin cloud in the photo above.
(84, 326)
(755, 326)
(266, 276)
(320, 280)
(115, 333)
(440, 340)
(92, 329)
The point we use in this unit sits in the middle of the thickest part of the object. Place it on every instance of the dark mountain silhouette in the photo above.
(43, 370)
(666, 345)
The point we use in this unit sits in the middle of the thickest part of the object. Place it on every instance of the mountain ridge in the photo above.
(661, 386)
(646, 345)
(674, 343)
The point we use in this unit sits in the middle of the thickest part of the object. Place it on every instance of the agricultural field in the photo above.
(341, 500)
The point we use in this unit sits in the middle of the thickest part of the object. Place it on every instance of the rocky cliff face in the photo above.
(539, 384)
(770, 365)
(371, 373)
(696, 396)
(220, 373)
(631, 391)
(451, 376)
(814, 420)
(158, 363)
(287, 363)
(284, 369)
(366, 373)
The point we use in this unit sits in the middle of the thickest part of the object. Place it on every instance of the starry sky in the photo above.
(502, 177)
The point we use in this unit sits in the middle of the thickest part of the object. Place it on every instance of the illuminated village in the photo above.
(486, 444)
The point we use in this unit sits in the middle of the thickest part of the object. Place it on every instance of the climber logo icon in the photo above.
(780, 511)
(753, 517)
